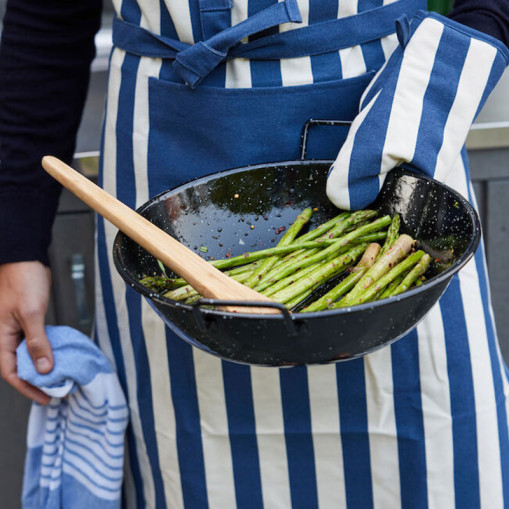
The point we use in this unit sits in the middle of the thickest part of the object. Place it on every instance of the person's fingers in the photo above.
(24, 296)
(39, 348)
(9, 374)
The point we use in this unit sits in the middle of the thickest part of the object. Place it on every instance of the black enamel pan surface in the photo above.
(235, 211)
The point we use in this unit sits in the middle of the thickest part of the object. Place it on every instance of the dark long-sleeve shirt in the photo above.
(46, 51)
(45, 56)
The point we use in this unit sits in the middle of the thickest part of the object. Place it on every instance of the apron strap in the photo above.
(200, 59)
(215, 15)
(194, 62)
(331, 35)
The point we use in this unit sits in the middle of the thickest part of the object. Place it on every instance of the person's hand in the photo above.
(24, 297)
(418, 108)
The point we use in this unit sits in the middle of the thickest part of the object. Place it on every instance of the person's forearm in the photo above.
(488, 16)
(45, 58)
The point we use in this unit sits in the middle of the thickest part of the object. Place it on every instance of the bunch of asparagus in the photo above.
(346, 250)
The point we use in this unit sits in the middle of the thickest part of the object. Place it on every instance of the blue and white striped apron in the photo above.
(422, 423)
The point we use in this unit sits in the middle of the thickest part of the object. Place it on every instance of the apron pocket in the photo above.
(201, 131)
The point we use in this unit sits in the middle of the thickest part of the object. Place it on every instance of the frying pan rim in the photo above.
(435, 281)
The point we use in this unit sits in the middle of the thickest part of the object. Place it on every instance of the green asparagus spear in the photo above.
(367, 260)
(344, 286)
(298, 266)
(181, 293)
(293, 278)
(399, 249)
(297, 300)
(321, 274)
(323, 228)
(413, 275)
(388, 291)
(399, 269)
(252, 256)
(188, 291)
(193, 299)
(242, 268)
(370, 237)
(178, 282)
(286, 239)
(392, 234)
(161, 284)
(365, 239)
(353, 220)
(348, 222)
(240, 263)
(278, 272)
(293, 266)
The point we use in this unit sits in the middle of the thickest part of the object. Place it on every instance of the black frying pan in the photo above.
(215, 214)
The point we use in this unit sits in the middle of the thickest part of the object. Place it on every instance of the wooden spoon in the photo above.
(205, 278)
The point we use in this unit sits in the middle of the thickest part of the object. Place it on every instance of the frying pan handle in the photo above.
(197, 312)
(312, 122)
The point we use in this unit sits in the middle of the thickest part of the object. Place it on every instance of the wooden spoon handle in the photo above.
(205, 278)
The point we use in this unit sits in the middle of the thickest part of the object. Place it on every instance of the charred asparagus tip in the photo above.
(369, 256)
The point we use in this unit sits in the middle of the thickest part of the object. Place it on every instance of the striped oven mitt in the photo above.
(418, 108)
(75, 444)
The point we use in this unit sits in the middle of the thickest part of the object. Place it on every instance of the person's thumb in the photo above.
(38, 345)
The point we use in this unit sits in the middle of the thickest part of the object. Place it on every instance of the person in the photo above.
(421, 423)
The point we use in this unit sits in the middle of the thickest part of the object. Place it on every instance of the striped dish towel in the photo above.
(75, 445)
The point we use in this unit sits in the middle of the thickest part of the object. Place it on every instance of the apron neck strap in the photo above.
(215, 16)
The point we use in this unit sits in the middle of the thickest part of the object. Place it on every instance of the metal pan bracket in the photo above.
(314, 122)
(200, 321)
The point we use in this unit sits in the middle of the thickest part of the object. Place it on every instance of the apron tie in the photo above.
(200, 59)
(194, 62)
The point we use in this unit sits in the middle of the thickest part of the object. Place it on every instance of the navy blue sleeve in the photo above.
(45, 57)
(488, 16)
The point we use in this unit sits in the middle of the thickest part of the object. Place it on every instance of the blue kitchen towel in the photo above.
(75, 444)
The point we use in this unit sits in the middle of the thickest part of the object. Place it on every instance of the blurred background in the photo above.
(72, 255)
(441, 6)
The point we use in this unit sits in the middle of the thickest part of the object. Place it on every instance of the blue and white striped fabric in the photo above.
(419, 107)
(75, 444)
(422, 423)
